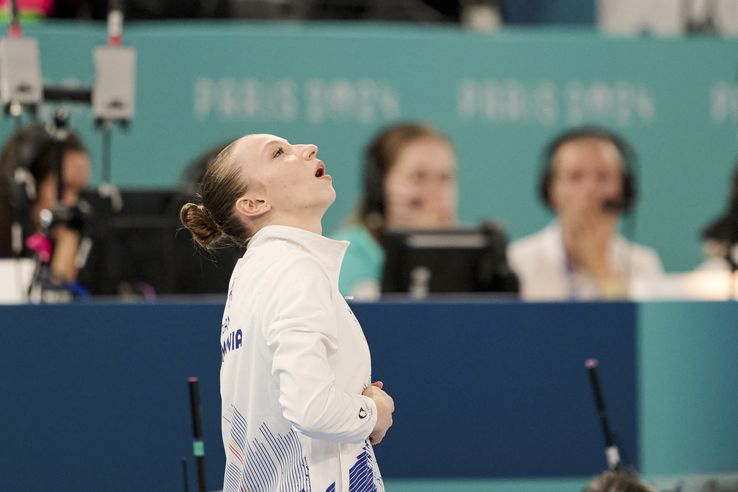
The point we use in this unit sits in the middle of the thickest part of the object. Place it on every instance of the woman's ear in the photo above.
(252, 207)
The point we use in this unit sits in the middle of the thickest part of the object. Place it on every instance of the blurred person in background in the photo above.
(720, 237)
(28, 186)
(588, 181)
(409, 183)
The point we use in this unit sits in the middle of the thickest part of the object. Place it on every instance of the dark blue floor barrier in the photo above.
(94, 396)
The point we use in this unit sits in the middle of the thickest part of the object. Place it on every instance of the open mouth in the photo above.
(320, 172)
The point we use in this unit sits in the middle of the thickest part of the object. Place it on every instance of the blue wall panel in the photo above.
(500, 390)
(95, 396)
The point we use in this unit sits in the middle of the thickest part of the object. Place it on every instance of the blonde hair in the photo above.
(213, 222)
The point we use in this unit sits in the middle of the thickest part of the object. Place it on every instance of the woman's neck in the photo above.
(311, 224)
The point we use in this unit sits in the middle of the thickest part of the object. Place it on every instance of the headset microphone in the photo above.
(618, 204)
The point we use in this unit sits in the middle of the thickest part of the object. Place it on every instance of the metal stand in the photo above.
(611, 451)
(198, 446)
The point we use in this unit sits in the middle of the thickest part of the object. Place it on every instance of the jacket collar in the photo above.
(328, 252)
(554, 241)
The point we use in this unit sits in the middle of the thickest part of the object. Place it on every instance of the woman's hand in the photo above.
(385, 408)
(588, 247)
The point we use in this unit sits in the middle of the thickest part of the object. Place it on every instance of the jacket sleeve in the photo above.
(301, 332)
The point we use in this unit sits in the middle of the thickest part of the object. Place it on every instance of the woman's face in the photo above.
(287, 178)
(587, 173)
(76, 177)
(420, 186)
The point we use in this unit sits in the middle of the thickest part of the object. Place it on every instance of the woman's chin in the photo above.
(332, 196)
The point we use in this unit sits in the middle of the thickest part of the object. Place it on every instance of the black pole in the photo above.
(611, 451)
(14, 11)
(61, 117)
(198, 446)
(185, 475)
(115, 22)
(15, 29)
(21, 207)
(106, 153)
(68, 94)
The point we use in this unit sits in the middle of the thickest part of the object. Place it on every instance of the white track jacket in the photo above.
(295, 362)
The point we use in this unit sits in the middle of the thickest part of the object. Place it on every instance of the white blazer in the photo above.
(540, 262)
(295, 362)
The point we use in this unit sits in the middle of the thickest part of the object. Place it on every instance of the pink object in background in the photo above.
(34, 6)
(41, 245)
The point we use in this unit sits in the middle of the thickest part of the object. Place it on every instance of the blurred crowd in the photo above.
(587, 179)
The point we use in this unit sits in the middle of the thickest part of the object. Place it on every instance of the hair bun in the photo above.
(205, 232)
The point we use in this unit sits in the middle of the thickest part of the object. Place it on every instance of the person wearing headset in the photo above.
(409, 183)
(720, 236)
(588, 182)
(28, 185)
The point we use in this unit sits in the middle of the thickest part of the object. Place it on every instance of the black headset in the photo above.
(629, 158)
(30, 144)
(373, 207)
(21, 169)
(374, 204)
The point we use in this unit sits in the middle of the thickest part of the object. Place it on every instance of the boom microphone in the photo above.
(614, 204)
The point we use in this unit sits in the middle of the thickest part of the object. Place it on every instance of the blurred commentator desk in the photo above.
(94, 396)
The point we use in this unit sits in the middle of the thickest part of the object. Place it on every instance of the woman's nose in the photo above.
(310, 152)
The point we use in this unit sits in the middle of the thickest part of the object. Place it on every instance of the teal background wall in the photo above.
(688, 363)
(499, 97)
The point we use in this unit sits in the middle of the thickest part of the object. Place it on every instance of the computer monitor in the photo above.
(422, 262)
(142, 248)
